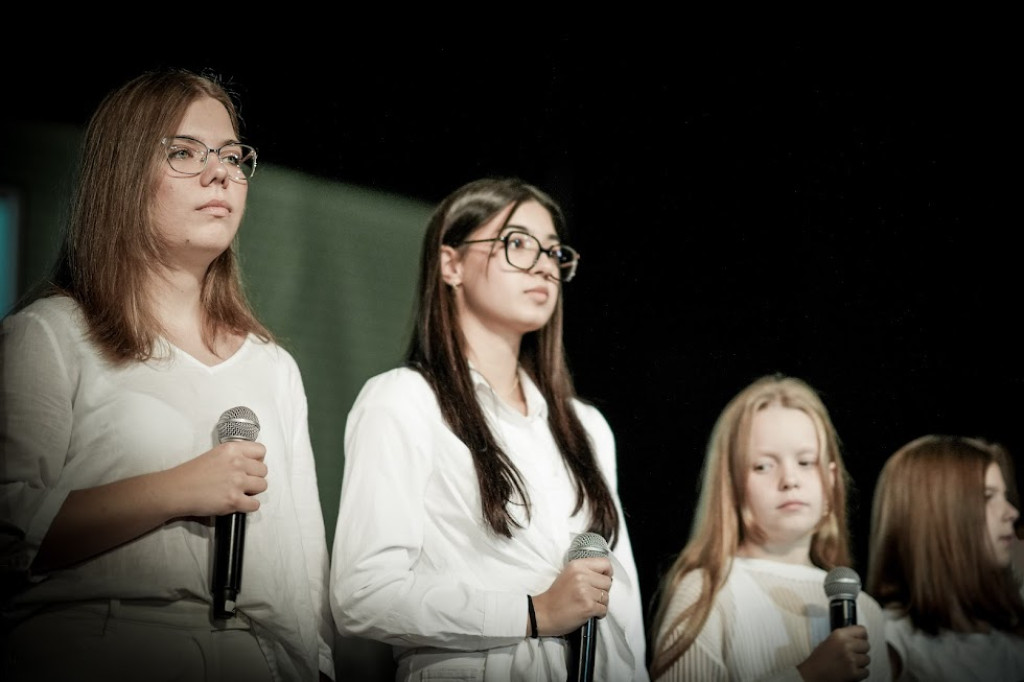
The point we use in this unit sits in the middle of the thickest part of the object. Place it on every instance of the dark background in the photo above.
(836, 209)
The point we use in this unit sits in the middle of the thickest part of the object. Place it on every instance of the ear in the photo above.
(451, 266)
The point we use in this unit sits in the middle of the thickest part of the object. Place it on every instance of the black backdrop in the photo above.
(833, 209)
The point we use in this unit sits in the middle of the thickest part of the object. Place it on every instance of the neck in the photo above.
(797, 553)
(175, 299)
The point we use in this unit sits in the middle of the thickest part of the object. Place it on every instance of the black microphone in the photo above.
(238, 423)
(842, 585)
(583, 642)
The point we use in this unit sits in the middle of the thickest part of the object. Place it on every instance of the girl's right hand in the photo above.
(222, 480)
(842, 656)
(578, 593)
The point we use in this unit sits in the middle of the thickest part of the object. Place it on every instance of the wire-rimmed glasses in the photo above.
(523, 250)
(188, 156)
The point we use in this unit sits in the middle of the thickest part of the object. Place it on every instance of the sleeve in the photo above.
(311, 520)
(703, 660)
(630, 615)
(36, 397)
(391, 433)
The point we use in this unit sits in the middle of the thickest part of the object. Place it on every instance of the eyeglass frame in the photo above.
(206, 156)
(540, 249)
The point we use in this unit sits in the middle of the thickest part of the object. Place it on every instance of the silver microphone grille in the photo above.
(587, 546)
(842, 582)
(238, 423)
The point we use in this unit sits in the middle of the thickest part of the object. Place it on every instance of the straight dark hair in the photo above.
(437, 352)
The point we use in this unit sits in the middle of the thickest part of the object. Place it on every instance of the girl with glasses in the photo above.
(114, 379)
(471, 469)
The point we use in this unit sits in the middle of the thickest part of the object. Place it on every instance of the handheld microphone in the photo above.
(238, 423)
(583, 643)
(842, 585)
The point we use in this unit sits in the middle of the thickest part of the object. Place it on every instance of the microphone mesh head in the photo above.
(238, 423)
(587, 546)
(842, 582)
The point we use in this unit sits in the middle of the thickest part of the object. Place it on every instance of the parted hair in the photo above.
(929, 555)
(721, 520)
(437, 351)
(111, 244)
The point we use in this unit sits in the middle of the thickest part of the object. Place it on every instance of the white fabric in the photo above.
(954, 656)
(766, 620)
(114, 641)
(413, 564)
(71, 420)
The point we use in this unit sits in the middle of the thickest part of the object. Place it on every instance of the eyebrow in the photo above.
(519, 228)
(230, 140)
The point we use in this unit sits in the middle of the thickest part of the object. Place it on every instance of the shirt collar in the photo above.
(536, 407)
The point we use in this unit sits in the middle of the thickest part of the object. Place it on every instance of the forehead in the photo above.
(994, 476)
(776, 426)
(206, 119)
(529, 215)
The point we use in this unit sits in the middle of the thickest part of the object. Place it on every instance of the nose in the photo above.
(1011, 512)
(547, 264)
(788, 478)
(215, 171)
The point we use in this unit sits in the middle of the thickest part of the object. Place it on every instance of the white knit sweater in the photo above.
(766, 620)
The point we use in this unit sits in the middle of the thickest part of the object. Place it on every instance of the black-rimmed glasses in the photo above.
(188, 156)
(523, 250)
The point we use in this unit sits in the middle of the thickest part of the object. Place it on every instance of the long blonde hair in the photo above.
(720, 525)
(929, 554)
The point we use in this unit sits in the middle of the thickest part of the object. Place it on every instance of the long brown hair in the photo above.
(720, 524)
(110, 243)
(436, 350)
(930, 556)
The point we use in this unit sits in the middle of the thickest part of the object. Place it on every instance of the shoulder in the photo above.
(597, 427)
(685, 593)
(401, 389)
(272, 355)
(400, 383)
(55, 321)
(900, 633)
(53, 311)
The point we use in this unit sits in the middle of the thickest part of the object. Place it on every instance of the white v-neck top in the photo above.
(71, 420)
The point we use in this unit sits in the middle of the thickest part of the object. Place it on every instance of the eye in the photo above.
(231, 155)
(517, 241)
(561, 255)
(182, 152)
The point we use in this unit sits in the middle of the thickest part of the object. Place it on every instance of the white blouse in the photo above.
(414, 565)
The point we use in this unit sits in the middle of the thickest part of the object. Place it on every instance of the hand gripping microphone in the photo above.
(842, 585)
(583, 643)
(238, 423)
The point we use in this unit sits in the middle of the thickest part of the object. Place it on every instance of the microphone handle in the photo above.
(229, 545)
(842, 612)
(583, 646)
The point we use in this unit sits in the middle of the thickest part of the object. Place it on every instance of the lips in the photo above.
(216, 207)
(539, 292)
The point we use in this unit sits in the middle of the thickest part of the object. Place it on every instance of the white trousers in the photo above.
(118, 641)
